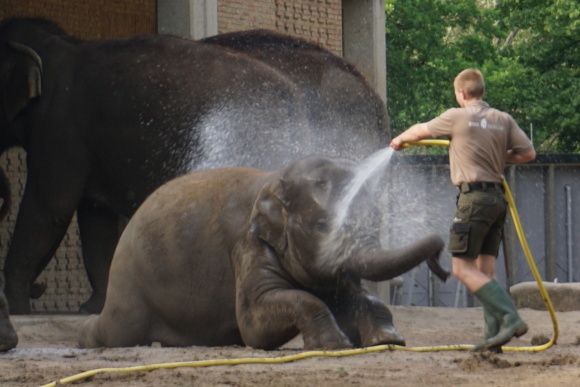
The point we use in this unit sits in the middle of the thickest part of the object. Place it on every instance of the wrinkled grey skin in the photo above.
(8, 337)
(232, 256)
(104, 123)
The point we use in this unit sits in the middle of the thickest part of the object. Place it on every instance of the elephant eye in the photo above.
(322, 225)
(321, 184)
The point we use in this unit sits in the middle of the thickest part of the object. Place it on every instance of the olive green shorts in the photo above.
(478, 223)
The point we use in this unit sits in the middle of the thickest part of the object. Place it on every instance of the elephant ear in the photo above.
(268, 220)
(20, 78)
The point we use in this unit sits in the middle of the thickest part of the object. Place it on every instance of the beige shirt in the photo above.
(480, 138)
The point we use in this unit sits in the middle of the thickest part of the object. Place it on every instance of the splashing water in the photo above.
(332, 249)
(371, 165)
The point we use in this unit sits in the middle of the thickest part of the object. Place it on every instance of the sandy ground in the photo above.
(47, 352)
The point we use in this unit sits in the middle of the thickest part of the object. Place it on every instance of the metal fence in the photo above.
(420, 199)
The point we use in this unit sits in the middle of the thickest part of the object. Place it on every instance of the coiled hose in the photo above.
(359, 351)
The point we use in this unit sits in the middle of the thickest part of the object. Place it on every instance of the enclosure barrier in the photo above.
(359, 351)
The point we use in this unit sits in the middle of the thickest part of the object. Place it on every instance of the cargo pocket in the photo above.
(459, 236)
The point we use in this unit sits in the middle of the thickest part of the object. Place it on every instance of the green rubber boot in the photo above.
(499, 303)
(490, 330)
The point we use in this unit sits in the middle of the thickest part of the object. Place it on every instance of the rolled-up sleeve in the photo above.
(442, 125)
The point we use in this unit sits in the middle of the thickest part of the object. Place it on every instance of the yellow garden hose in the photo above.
(252, 360)
(357, 351)
(427, 142)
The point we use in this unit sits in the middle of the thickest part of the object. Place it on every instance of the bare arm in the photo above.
(414, 133)
(520, 158)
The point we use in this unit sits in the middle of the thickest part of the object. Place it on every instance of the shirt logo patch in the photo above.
(484, 125)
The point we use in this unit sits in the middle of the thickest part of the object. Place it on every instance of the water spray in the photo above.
(365, 170)
(378, 162)
(333, 250)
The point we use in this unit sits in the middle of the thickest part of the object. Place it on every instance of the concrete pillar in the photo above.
(550, 217)
(511, 239)
(364, 44)
(195, 19)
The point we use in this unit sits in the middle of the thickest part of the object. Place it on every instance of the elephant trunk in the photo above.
(4, 194)
(378, 264)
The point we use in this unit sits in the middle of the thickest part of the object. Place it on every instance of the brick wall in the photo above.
(318, 20)
(90, 19)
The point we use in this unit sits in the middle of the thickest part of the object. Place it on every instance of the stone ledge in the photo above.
(564, 296)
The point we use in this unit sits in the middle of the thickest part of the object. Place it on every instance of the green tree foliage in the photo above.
(528, 51)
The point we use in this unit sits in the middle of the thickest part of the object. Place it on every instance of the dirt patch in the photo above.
(47, 352)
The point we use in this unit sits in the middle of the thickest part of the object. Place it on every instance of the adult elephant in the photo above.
(104, 123)
(241, 256)
(338, 99)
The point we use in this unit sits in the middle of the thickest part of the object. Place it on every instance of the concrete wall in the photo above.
(191, 18)
(421, 200)
(364, 40)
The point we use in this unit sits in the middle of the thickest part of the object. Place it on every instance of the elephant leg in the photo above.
(277, 316)
(124, 324)
(36, 237)
(367, 320)
(126, 319)
(99, 231)
(89, 333)
(8, 337)
(376, 323)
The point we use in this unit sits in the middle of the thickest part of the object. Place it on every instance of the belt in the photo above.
(466, 187)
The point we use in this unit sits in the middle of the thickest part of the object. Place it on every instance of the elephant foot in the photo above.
(327, 341)
(93, 305)
(87, 334)
(37, 290)
(387, 335)
(8, 337)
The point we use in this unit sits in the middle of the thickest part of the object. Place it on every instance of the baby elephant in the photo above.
(235, 256)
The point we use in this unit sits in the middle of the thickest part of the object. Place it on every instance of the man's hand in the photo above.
(414, 133)
(396, 144)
